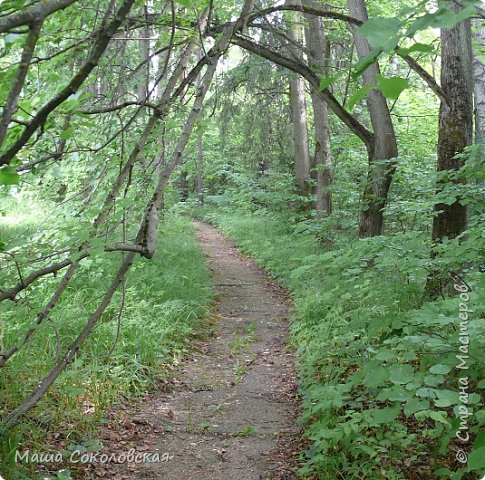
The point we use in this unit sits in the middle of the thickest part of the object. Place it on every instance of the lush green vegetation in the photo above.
(377, 362)
(150, 325)
(340, 144)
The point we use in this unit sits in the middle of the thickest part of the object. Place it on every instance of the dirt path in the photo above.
(230, 414)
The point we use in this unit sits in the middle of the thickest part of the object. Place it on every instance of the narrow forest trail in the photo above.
(230, 412)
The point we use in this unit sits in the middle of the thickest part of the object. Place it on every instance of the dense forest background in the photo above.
(340, 144)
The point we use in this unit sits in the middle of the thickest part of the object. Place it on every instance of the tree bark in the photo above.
(183, 186)
(479, 77)
(199, 183)
(454, 135)
(384, 152)
(318, 56)
(299, 111)
(456, 121)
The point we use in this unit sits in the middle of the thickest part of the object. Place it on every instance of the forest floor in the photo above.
(230, 410)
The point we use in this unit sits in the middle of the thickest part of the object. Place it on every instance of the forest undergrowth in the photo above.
(382, 389)
(163, 305)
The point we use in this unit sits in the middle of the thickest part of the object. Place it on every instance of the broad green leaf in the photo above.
(415, 405)
(476, 460)
(382, 32)
(446, 398)
(392, 87)
(440, 369)
(385, 415)
(326, 82)
(8, 176)
(395, 394)
(479, 441)
(67, 133)
(377, 377)
(359, 95)
(401, 374)
(440, 417)
(417, 47)
(366, 62)
(443, 18)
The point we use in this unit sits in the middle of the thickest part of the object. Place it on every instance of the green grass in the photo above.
(166, 302)
(366, 341)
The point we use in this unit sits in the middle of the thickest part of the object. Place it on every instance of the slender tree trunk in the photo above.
(299, 111)
(144, 85)
(479, 77)
(318, 56)
(183, 186)
(199, 184)
(382, 156)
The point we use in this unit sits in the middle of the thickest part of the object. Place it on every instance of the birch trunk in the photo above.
(318, 57)
(299, 110)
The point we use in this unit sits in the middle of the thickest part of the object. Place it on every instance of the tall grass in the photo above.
(165, 303)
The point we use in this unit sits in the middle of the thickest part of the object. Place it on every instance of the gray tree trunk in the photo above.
(454, 135)
(318, 56)
(199, 184)
(381, 158)
(456, 120)
(299, 110)
(479, 77)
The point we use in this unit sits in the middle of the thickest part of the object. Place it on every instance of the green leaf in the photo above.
(440, 369)
(366, 62)
(375, 378)
(401, 374)
(433, 380)
(385, 415)
(67, 133)
(415, 405)
(479, 441)
(359, 95)
(417, 47)
(392, 87)
(8, 176)
(395, 393)
(442, 18)
(326, 82)
(382, 32)
(476, 460)
(446, 398)
(440, 417)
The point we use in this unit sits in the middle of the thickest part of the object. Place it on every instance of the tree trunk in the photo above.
(479, 76)
(199, 184)
(456, 121)
(454, 135)
(299, 111)
(144, 46)
(384, 152)
(318, 56)
(183, 186)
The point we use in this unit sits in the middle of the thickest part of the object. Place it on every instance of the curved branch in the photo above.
(313, 9)
(34, 14)
(429, 79)
(352, 123)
